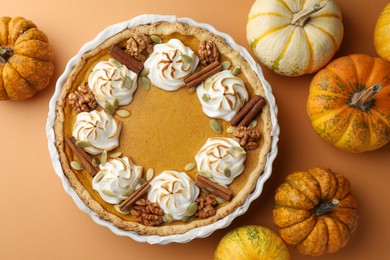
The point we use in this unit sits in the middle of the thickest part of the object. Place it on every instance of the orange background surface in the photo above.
(38, 220)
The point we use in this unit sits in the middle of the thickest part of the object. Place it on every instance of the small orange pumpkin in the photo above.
(349, 103)
(315, 211)
(26, 59)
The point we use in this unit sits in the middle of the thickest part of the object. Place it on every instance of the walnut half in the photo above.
(247, 137)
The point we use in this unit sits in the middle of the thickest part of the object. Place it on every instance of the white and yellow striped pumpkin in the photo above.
(294, 37)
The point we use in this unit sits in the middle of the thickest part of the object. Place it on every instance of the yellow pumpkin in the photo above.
(251, 242)
(315, 211)
(294, 37)
(349, 103)
(26, 59)
(382, 34)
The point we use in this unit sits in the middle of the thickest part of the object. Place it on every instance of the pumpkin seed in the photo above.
(189, 166)
(116, 103)
(191, 90)
(117, 208)
(168, 218)
(115, 155)
(127, 82)
(230, 129)
(83, 143)
(95, 161)
(205, 97)
(108, 193)
(239, 150)
(155, 39)
(110, 109)
(207, 83)
(103, 158)
(144, 72)
(226, 65)
(227, 172)
(192, 208)
(236, 70)
(219, 200)
(253, 123)
(149, 174)
(205, 174)
(186, 218)
(99, 177)
(99, 97)
(116, 63)
(129, 191)
(141, 181)
(145, 83)
(76, 165)
(205, 191)
(123, 113)
(186, 58)
(216, 126)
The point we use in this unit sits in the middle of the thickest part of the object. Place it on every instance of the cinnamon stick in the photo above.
(136, 195)
(84, 158)
(129, 61)
(213, 187)
(252, 113)
(200, 76)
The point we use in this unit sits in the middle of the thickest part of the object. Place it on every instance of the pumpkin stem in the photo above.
(324, 208)
(5, 54)
(364, 100)
(300, 18)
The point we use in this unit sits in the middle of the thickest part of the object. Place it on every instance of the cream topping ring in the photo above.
(203, 231)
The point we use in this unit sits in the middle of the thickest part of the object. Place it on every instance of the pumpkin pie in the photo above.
(143, 128)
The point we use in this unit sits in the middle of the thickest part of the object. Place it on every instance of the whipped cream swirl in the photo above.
(222, 95)
(174, 192)
(117, 179)
(109, 80)
(223, 158)
(167, 67)
(99, 128)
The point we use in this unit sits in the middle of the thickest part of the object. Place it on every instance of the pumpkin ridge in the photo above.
(361, 86)
(293, 186)
(263, 14)
(311, 62)
(340, 79)
(329, 112)
(10, 64)
(267, 33)
(275, 65)
(285, 5)
(326, 33)
(300, 192)
(380, 116)
(327, 15)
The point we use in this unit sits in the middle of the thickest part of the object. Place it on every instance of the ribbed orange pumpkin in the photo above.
(349, 103)
(315, 211)
(26, 59)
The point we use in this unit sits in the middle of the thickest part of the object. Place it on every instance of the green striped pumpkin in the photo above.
(294, 37)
